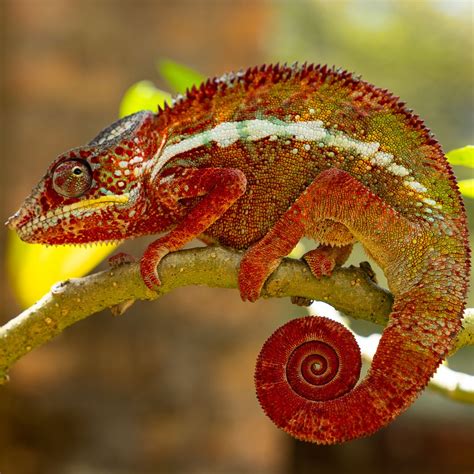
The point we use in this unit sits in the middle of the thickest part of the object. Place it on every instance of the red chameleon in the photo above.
(255, 161)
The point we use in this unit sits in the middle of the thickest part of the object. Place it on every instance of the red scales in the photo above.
(255, 161)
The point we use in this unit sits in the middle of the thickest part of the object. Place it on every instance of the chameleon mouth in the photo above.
(76, 210)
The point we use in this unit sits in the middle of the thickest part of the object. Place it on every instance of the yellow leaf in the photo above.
(462, 156)
(34, 268)
(178, 76)
(142, 95)
(466, 186)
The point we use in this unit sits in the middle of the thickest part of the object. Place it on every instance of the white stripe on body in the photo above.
(227, 133)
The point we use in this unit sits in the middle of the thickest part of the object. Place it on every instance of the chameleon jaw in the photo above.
(79, 209)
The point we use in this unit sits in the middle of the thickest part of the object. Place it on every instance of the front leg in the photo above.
(219, 188)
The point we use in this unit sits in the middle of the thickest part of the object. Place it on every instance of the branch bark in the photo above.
(349, 290)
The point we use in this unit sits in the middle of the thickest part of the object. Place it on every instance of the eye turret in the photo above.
(72, 178)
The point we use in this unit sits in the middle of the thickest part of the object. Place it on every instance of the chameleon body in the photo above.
(255, 161)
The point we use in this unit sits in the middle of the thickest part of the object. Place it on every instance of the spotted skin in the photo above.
(255, 161)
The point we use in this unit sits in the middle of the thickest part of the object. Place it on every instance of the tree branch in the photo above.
(349, 290)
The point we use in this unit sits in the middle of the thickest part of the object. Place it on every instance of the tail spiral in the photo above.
(305, 362)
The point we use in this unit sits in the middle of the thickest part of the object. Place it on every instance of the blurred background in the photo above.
(168, 387)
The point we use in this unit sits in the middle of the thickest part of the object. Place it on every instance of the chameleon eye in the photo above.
(72, 178)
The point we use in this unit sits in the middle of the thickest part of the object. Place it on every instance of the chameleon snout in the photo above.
(13, 221)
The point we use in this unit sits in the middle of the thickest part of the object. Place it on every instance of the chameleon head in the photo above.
(88, 188)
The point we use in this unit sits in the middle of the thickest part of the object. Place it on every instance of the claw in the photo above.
(149, 264)
(120, 258)
(320, 264)
(249, 294)
(301, 301)
(149, 273)
(254, 271)
(325, 258)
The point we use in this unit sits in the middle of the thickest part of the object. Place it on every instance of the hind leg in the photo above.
(335, 195)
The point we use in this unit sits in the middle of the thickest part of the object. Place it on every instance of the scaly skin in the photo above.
(255, 161)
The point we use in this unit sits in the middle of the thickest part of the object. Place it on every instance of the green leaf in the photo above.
(466, 186)
(462, 156)
(34, 268)
(179, 77)
(142, 95)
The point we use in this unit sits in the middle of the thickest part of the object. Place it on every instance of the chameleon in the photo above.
(254, 161)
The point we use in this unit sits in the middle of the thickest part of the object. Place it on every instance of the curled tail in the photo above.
(307, 370)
